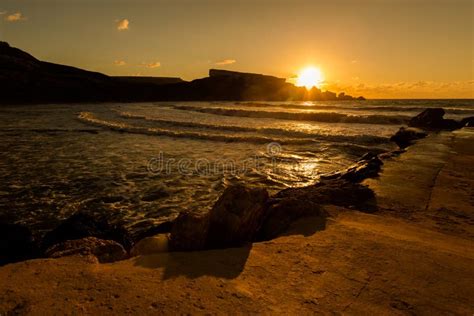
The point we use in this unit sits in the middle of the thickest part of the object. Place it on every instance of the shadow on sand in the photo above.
(223, 263)
(307, 226)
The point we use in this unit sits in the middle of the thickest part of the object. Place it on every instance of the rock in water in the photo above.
(405, 136)
(151, 245)
(16, 243)
(189, 232)
(433, 119)
(104, 250)
(81, 225)
(467, 122)
(368, 166)
(236, 216)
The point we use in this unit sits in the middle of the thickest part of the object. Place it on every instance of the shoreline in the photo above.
(420, 257)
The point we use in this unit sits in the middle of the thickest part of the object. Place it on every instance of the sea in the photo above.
(143, 163)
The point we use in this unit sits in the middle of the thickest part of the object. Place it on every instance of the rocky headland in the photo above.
(25, 79)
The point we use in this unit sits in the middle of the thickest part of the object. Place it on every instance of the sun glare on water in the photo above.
(310, 77)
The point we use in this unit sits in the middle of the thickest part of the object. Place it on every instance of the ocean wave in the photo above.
(326, 117)
(48, 130)
(355, 107)
(89, 118)
(369, 139)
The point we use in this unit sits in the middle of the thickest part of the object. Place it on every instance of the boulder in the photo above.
(236, 216)
(406, 136)
(432, 119)
(291, 204)
(282, 212)
(189, 232)
(104, 250)
(151, 245)
(368, 166)
(151, 227)
(16, 243)
(81, 225)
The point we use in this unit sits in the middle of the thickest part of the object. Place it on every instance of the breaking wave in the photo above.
(89, 118)
(352, 107)
(326, 117)
(369, 139)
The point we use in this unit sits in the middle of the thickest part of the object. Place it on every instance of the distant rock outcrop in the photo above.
(25, 79)
(148, 80)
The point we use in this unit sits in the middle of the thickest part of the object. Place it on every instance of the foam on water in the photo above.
(58, 159)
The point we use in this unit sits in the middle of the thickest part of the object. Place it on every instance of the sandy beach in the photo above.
(413, 256)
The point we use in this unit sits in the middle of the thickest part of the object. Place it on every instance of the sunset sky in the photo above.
(375, 48)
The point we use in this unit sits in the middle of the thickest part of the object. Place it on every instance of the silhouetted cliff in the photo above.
(25, 79)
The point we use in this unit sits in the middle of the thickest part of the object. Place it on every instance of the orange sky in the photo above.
(375, 48)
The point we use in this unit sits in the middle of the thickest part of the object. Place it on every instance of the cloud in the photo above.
(152, 65)
(122, 25)
(119, 63)
(15, 17)
(3, 12)
(226, 62)
(354, 61)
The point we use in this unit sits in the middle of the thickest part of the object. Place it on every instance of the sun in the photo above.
(310, 77)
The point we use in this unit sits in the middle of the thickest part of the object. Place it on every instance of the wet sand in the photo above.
(413, 256)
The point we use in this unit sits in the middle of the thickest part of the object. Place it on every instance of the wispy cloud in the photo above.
(15, 17)
(152, 65)
(119, 63)
(122, 25)
(226, 62)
